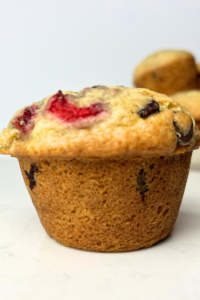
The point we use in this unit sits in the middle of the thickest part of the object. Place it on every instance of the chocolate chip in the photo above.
(183, 140)
(99, 87)
(30, 175)
(156, 77)
(184, 128)
(149, 109)
(141, 180)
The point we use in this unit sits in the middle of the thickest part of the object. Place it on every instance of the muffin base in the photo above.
(109, 205)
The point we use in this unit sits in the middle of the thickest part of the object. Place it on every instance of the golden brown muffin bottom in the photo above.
(109, 205)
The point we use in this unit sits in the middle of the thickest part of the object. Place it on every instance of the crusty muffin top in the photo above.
(160, 59)
(101, 121)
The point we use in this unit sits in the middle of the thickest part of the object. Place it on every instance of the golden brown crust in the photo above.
(7, 138)
(167, 72)
(191, 100)
(106, 204)
(198, 76)
(120, 132)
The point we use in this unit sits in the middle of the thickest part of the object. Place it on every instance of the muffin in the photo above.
(167, 72)
(198, 76)
(191, 100)
(105, 167)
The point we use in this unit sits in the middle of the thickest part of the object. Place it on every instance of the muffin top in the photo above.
(160, 59)
(191, 100)
(100, 121)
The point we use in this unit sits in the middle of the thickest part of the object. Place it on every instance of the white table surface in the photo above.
(34, 266)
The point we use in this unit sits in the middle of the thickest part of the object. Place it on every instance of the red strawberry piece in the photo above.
(23, 121)
(62, 107)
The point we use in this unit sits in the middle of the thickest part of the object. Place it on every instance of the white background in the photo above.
(47, 45)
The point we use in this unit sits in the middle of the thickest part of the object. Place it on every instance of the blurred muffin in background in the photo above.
(167, 72)
(198, 76)
(191, 100)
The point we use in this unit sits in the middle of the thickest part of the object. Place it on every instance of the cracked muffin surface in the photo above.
(100, 121)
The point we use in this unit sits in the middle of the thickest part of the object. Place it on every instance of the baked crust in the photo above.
(191, 100)
(167, 72)
(121, 131)
(106, 204)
